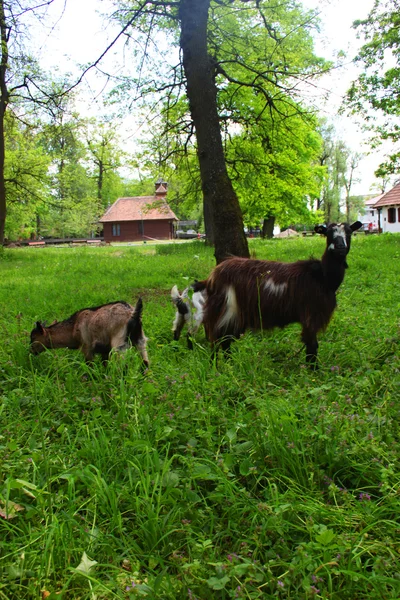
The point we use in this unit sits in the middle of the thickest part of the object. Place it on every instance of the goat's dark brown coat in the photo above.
(256, 294)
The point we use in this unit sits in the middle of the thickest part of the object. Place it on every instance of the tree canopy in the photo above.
(376, 93)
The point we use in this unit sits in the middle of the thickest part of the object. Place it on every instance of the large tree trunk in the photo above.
(268, 227)
(208, 224)
(219, 196)
(3, 107)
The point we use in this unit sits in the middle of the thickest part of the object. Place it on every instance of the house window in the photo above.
(391, 215)
(398, 215)
(116, 230)
(140, 227)
(372, 213)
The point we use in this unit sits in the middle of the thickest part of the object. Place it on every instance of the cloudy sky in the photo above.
(81, 34)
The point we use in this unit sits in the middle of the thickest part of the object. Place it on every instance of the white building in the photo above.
(369, 217)
(388, 209)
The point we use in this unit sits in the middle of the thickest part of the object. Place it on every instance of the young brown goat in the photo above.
(95, 330)
(257, 294)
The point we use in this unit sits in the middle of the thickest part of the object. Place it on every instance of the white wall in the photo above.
(370, 215)
(386, 226)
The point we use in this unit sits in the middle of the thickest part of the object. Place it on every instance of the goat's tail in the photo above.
(178, 300)
(134, 329)
(136, 334)
(199, 286)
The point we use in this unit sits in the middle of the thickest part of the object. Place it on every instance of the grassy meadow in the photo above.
(250, 478)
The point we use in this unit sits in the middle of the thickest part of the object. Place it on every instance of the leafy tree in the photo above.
(22, 84)
(73, 207)
(274, 163)
(106, 157)
(375, 95)
(353, 161)
(224, 45)
(340, 165)
(26, 177)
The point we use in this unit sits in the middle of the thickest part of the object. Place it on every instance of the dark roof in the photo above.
(146, 208)
(391, 197)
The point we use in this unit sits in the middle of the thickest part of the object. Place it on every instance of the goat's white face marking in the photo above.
(231, 307)
(338, 232)
(275, 288)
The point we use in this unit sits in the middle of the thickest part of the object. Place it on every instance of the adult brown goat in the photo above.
(245, 294)
(95, 330)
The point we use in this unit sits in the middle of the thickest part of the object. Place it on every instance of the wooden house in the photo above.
(140, 218)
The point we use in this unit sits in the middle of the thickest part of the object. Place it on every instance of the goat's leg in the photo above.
(141, 346)
(309, 338)
(178, 325)
(102, 349)
(193, 329)
(226, 345)
(88, 353)
(189, 341)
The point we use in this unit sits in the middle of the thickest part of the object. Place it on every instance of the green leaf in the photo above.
(245, 467)
(85, 565)
(192, 497)
(170, 479)
(325, 537)
(216, 583)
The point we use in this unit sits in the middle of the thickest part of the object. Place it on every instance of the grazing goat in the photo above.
(95, 330)
(257, 294)
(189, 310)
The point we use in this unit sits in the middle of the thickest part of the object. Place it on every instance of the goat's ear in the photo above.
(356, 226)
(320, 229)
(39, 327)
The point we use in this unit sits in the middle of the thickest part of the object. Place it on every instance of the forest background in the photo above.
(60, 168)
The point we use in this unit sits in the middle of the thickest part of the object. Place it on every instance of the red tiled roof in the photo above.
(391, 197)
(148, 208)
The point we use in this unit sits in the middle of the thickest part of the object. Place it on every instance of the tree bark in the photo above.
(220, 199)
(208, 224)
(3, 108)
(268, 228)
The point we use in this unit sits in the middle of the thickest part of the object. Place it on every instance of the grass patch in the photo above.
(255, 478)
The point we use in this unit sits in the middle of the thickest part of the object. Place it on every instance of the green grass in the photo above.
(252, 478)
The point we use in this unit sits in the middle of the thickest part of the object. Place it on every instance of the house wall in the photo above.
(130, 231)
(370, 215)
(390, 227)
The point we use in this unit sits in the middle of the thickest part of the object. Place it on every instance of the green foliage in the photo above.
(375, 95)
(271, 139)
(250, 478)
(338, 166)
(26, 177)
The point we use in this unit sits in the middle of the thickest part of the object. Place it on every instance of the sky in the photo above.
(81, 34)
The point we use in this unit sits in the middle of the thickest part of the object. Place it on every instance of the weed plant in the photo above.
(250, 478)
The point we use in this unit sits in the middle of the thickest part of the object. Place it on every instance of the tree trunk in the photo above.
(3, 107)
(348, 208)
(219, 196)
(3, 205)
(268, 228)
(100, 181)
(208, 224)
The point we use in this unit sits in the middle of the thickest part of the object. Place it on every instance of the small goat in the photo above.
(189, 311)
(257, 294)
(95, 330)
